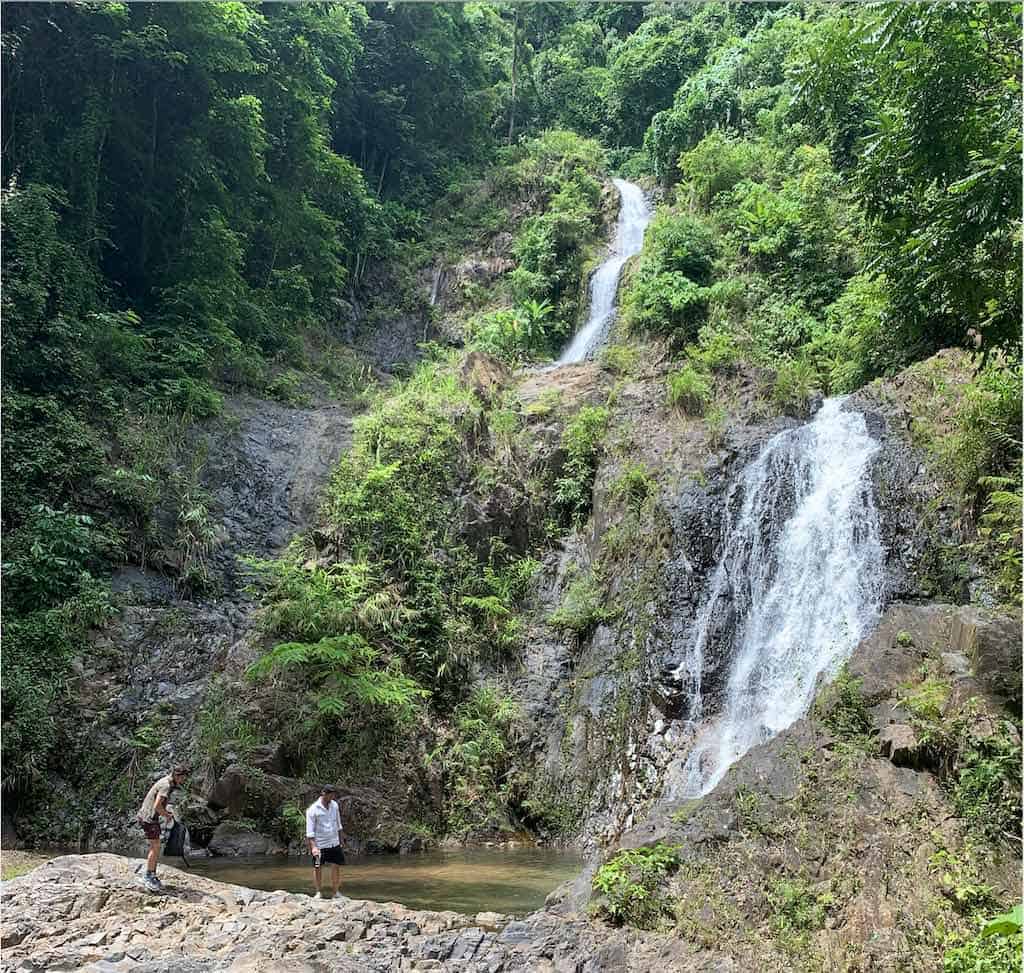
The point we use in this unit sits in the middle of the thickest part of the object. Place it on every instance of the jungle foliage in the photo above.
(205, 206)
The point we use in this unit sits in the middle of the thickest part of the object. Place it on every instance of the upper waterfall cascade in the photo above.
(634, 215)
(799, 580)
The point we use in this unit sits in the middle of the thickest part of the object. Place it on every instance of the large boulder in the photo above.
(992, 643)
(245, 791)
(899, 743)
(485, 375)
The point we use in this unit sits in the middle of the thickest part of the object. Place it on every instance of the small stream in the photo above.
(512, 882)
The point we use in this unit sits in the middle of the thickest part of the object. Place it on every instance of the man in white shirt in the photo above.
(323, 835)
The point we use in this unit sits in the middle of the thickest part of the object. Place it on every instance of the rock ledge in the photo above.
(90, 913)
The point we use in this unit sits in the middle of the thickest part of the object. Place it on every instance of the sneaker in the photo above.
(152, 883)
(318, 896)
(159, 884)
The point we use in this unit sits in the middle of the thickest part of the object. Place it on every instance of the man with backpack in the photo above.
(153, 808)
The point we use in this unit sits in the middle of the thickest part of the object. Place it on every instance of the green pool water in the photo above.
(513, 881)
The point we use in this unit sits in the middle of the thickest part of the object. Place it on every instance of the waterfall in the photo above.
(798, 586)
(634, 215)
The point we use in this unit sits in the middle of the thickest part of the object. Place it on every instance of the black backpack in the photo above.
(175, 845)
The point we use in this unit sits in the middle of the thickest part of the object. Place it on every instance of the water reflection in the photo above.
(512, 882)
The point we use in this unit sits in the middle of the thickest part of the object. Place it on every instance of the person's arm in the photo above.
(160, 807)
(337, 814)
(310, 833)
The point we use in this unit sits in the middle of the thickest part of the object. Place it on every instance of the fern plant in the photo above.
(631, 885)
(1001, 529)
(343, 670)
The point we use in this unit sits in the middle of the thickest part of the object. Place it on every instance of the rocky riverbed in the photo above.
(91, 913)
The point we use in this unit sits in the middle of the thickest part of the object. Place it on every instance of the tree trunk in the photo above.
(515, 48)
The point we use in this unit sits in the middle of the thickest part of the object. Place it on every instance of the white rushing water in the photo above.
(634, 215)
(802, 589)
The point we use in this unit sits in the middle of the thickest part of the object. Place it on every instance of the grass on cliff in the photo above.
(966, 413)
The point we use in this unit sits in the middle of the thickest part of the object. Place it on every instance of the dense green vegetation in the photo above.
(630, 884)
(226, 190)
(185, 218)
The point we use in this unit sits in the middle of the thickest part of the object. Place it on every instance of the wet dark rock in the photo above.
(236, 840)
(269, 758)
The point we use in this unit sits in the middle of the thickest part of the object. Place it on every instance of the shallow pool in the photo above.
(513, 881)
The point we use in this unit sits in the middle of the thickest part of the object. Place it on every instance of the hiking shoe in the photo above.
(152, 883)
(318, 896)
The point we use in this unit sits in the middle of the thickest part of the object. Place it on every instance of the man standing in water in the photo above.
(323, 835)
(153, 808)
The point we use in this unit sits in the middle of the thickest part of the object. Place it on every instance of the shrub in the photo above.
(664, 303)
(345, 670)
(716, 420)
(289, 387)
(619, 359)
(682, 244)
(581, 441)
(794, 386)
(477, 757)
(781, 327)
(717, 163)
(635, 485)
(986, 441)
(219, 726)
(549, 247)
(689, 390)
(854, 345)
(981, 769)
(841, 706)
(797, 907)
(987, 792)
(631, 885)
(583, 607)
(926, 700)
(52, 555)
(997, 953)
(668, 294)
(513, 335)
(1000, 533)
(715, 351)
(38, 647)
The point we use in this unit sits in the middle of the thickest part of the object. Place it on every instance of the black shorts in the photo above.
(332, 856)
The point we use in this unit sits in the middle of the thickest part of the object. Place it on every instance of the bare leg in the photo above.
(152, 855)
(335, 877)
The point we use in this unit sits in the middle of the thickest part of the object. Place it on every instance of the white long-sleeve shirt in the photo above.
(323, 823)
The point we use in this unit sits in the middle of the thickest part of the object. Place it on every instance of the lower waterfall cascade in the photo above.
(800, 578)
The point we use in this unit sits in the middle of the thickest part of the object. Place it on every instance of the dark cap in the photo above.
(328, 789)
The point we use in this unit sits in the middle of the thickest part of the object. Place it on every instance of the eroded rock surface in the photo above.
(90, 913)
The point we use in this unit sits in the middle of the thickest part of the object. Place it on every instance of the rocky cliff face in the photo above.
(861, 829)
(608, 707)
(138, 694)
